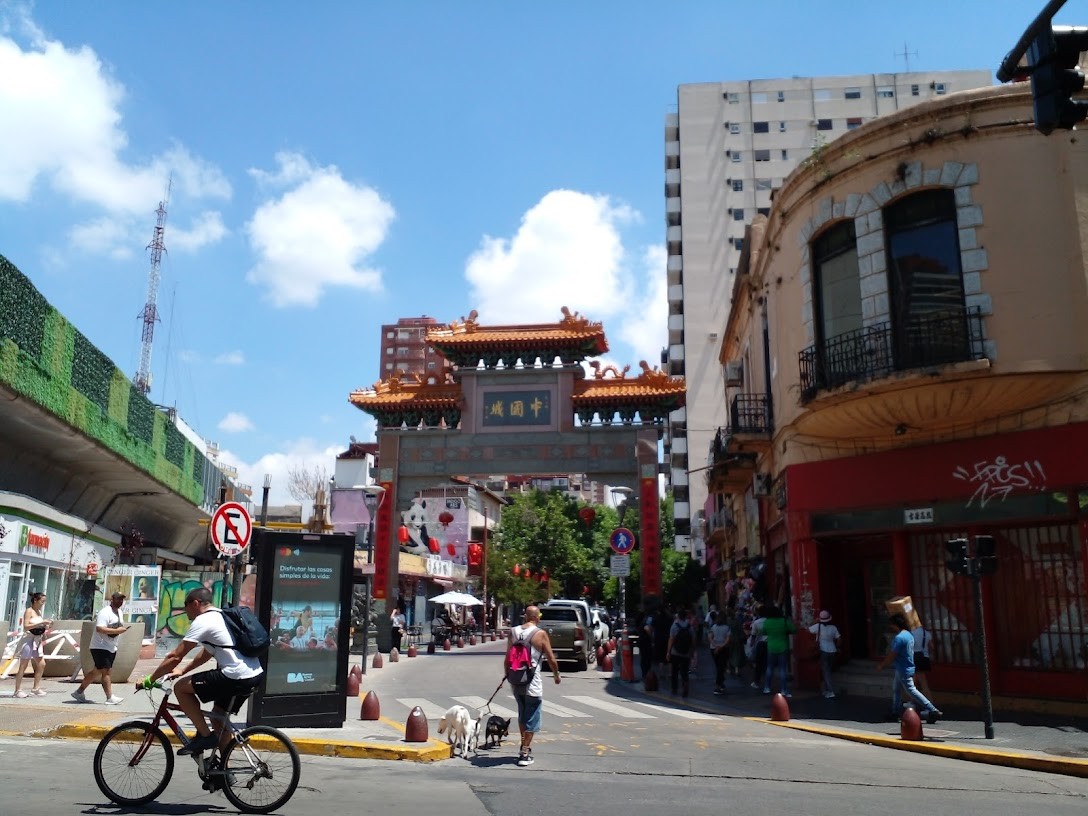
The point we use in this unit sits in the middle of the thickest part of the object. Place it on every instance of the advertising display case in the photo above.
(304, 600)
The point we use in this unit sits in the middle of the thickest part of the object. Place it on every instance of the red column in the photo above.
(383, 544)
(804, 589)
(649, 538)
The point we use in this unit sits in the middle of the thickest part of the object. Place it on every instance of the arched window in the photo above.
(838, 291)
(929, 321)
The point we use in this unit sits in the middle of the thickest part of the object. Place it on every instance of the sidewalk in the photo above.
(1052, 737)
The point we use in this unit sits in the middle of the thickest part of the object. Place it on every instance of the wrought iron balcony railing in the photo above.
(751, 414)
(934, 338)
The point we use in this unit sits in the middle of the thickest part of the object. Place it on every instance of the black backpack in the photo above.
(681, 643)
(249, 636)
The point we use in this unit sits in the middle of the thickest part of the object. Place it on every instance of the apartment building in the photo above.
(728, 146)
(404, 348)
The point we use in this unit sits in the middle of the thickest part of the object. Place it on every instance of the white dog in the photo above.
(462, 732)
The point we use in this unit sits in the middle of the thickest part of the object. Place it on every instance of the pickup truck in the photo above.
(569, 633)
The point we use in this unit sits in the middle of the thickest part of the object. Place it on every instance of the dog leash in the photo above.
(487, 705)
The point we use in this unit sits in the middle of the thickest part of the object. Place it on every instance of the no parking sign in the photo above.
(231, 528)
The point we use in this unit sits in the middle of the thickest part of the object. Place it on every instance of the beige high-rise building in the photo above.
(727, 147)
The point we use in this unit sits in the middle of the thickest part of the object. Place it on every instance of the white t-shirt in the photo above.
(209, 630)
(107, 618)
(921, 640)
(828, 633)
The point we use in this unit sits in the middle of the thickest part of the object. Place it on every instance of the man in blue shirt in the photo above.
(901, 653)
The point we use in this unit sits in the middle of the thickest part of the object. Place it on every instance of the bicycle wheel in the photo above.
(133, 763)
(261, 769)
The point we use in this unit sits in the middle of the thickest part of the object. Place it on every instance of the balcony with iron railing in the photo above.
(876, 351)
(729, 469)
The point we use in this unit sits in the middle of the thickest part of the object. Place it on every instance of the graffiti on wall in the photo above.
(999, 478)
(173, 623)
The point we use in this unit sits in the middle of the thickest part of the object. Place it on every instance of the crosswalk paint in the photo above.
(432, 711)
(475, 703)
(680, 712)
(563, 711)
(612, 708)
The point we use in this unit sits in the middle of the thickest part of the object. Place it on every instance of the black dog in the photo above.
(497, 728)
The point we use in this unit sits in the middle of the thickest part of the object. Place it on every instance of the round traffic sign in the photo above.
(231, 527)
(622, 540)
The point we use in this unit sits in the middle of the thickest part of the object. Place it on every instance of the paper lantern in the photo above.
(451, 548)
(475, 554)
(587, 514)
(445, 517)
(402, 534)
(516, 570)
(544, 576)
(434, 546)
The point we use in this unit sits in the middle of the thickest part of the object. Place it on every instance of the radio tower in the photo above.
(150, 313)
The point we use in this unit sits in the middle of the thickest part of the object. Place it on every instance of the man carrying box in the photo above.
(901, 652)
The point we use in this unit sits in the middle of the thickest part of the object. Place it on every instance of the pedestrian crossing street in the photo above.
(572, 706)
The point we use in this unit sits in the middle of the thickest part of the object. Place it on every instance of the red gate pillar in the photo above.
(805, 589)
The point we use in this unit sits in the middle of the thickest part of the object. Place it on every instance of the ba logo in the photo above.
(300, 677)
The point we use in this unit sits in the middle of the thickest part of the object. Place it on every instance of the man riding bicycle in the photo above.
(227, 686)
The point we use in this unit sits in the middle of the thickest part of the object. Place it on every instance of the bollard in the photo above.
(352, 689)
(371, 708)
(376, 663)
(460, 642)
(627, 661)
(446, 645)
(357, 670)
(610, 645)
(412, 650)
(910, 725)
(780, 709)
(472, 640)
(430, 647)
(649, 682)
(492, 637)
(394, 656)
(605, 663)
(601, 652)
(415, 730)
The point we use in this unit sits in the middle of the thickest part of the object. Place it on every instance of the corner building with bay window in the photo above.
(906, 362)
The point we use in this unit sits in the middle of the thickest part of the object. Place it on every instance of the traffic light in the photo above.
(1055, 77)
(985, 555)
(957, 548)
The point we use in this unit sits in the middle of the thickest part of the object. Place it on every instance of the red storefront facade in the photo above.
(862, 529)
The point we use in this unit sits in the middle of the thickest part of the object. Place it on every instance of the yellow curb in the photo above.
(1009, 759)
(431, 752)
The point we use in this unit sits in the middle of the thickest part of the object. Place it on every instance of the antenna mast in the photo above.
(150, 314)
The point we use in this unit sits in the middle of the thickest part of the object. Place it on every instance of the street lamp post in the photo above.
(372, 498)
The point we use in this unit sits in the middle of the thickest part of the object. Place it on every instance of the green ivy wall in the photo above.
(47, 360)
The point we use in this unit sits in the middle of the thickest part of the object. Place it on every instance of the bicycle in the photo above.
(257, 771)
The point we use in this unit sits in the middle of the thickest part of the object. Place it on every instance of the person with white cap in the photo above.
(827, 638)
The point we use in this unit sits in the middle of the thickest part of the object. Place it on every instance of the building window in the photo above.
(938, 88)
(785, 154)
(759, 98)
(853, 122)
(781, 127)
(852, 93)
(388, 366)
(836, 293)
(738, 185)
(734, 128)
(738, 243)
(763, 155)
(781, 96)
(734, 156)
(431, 365)
(389, 350)
(924, 279)
(732, 98)
(885, 92)
(763, 210)
(763, 184)
(761, 127)
(738, 213)
(914, 90)
(821, 94)
(389, 335)
(823, 124)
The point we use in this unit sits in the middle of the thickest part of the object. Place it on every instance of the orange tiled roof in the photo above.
(572, 330)
(651, 384)
(402, 392)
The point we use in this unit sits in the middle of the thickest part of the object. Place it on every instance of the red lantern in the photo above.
(517, 570)
(475, 554)
(402, 534)
(544, 577)
(434, 546)
(451, 548)
(587, 514)
(585, 590)
(445, 517)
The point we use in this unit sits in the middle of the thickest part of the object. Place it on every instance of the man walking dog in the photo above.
(530, 697)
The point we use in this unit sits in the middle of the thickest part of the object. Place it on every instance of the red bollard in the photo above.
(627, 661)
(910, 725)
(412, 650)
(610, 645)
(472, 640)
(352, 689)
(492, 637)
(430, 647)
(605, 664)
(649, 682)
(371, 708)
(446, 645)
(377, 662)
(394, 656)
(601, 652)
(415, 729)
(780, 709)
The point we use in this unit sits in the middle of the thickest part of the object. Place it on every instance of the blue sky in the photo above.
(337, 165)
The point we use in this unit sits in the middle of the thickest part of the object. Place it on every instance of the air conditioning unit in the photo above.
(761, 485)
(734, 372)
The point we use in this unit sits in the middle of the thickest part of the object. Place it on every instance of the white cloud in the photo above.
(235, 422)
(568, 251)
(189, 356)
(235, 357)
(316, 235)
(301, 452)
(644, 326)
(206, 228)
(102, 236)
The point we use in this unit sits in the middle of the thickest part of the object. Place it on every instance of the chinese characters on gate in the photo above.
(506, 408)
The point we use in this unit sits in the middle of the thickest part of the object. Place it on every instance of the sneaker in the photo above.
(79, 696)
(788, 696)
(525, 758)
(39, 692)
(198, 744)
(754, 685)
(114, 700)
(766, 690)
(830, 695)
(22, 695)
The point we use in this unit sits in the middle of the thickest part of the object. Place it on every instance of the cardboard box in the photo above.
(902, 605)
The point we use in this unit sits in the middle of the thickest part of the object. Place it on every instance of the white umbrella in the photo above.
(457, 598)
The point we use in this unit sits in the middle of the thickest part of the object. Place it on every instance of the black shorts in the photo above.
(216, 688)
(103, 658)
